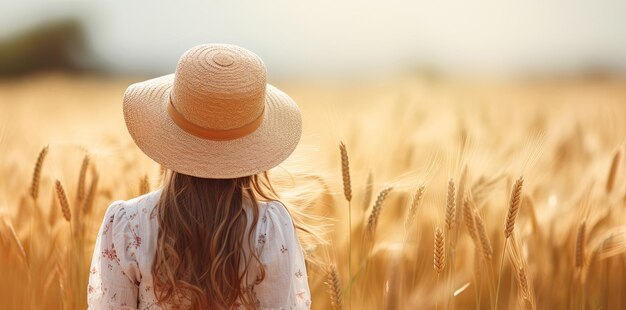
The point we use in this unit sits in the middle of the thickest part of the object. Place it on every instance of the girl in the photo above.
(214, 236)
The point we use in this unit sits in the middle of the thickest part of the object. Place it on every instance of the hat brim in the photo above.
(154, 132)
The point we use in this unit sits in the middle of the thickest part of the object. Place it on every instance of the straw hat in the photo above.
(215, 117)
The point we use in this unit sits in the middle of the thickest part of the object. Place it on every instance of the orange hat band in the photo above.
(212, 134)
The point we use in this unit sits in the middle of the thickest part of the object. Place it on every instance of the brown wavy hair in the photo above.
(201, 259)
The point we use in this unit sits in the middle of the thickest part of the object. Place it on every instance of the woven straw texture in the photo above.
(221, 88)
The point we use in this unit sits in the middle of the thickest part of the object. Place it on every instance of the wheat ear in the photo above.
(80, 190)
(514, 205)
(334, 288)
(523, 282)
(450, 206)
(372, 221)
(468, 219)
(482, 234)
(34, 185)
(610, 181)
(439, 253)
(345, 172)
(347, 192)
(65, 205)
(417, 199)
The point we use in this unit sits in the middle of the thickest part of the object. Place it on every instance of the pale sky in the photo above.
(304, 38)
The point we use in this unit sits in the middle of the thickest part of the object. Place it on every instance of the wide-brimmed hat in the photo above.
(215, 117)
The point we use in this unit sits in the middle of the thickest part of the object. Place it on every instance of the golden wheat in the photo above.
(610, 181)
(333, 286)
(345, 172)
(372, 221)
(516, 199)
(41, 260)
(34, 185)
(482, 235)
(80, 189)
(417, 199)
(523, 282)
(468, 219)
(439, 252)
(450, 206)
(65, 205)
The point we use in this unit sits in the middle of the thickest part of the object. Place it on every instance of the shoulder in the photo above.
(277, 213)
(132, 212)
(275, 224)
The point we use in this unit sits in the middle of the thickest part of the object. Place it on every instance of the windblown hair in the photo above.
(201, 260)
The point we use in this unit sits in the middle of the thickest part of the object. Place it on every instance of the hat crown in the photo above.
(219, 86)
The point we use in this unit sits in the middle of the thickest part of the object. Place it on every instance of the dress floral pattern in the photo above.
(120, 275)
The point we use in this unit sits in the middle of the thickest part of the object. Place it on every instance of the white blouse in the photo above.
(120, 276)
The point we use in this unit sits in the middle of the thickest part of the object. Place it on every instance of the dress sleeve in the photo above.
(285, 285)
(114, 274)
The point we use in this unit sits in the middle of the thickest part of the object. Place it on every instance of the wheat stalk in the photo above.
(34, 185)
(439, 253)
(65, 206)
(372, 221)
(580, 245)
(610, 181)
(17, 241)
(345, 172)
(347, 192)
(482, 234)
(451, 217)
(516, 199)
(417, 199)
(514, 205)
(333, 286)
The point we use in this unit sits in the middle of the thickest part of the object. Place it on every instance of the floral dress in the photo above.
(120, 276)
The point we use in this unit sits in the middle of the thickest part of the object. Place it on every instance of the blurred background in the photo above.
(348, 39)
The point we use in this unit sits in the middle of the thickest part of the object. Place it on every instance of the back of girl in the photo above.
(215, 235)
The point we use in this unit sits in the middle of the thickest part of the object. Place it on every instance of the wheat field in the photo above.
(460, 194)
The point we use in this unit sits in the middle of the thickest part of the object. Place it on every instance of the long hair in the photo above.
(201, 259)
